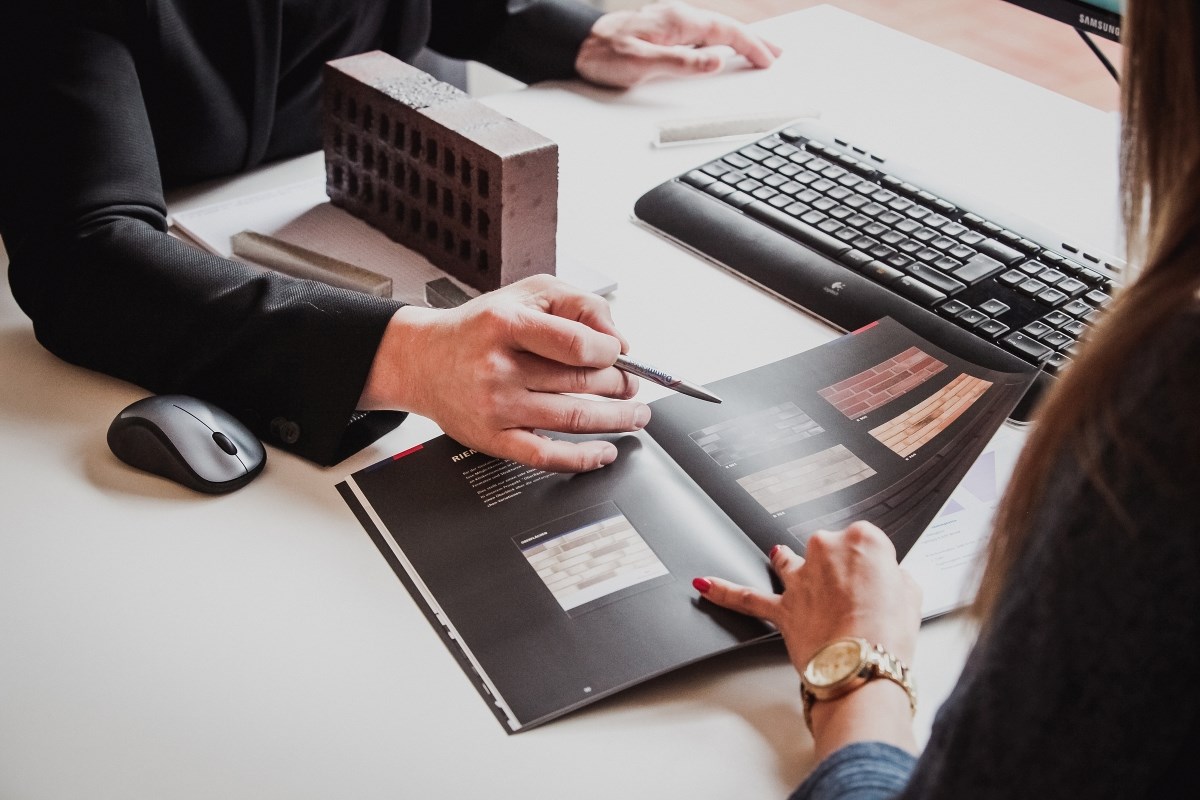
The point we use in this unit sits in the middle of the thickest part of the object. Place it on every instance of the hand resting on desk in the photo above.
(495, 369)
(626, 48)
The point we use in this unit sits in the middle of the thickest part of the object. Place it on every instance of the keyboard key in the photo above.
(1077, 309)
(1032, 287)
(718, 189)
(1057, 339)
(855, 258)
(993, 307)
(755, 153)
(1096, 297)
(1012, 277)
(918, 292)
(1056, 363)
(1051, 297)
(698, 178)
(1026, 346)
(1056, 319)
(1050, 277)
(780, 201)
(1037, 329)
(1075, 328)
(741, 162)
(877, 270)
(943, 243)
(992, 328)
(961, 252)
(1072, 287)
(935, 278)
(978, 267)
(739, 199)
(947, 263)
(952, 308)
(1001, 252)
(971, 317)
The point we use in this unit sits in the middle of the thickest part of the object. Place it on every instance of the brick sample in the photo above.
(470, 189)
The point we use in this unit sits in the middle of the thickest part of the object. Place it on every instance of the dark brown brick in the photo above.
(472, 190)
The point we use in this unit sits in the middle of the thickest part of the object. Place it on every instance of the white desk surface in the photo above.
(159, 644)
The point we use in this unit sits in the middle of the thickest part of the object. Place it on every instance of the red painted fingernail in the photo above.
(774, 550)
(702, 585)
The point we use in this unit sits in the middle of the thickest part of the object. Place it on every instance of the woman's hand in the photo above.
(849, 585)
(493, 370)
(626, 48)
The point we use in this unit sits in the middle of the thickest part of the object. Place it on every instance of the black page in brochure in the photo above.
(878, 424)
(555, 590)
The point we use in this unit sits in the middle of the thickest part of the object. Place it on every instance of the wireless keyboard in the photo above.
(824, 225)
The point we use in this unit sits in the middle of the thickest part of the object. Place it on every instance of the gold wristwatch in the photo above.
(847, 664)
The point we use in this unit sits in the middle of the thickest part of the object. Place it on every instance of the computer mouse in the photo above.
(189, 441)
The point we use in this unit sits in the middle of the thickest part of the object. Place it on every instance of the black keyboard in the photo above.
(825, 226)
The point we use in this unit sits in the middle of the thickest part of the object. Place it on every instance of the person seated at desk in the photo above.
(1082, 681)
(107, 102)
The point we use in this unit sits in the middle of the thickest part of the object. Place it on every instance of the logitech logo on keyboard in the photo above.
(835, 288)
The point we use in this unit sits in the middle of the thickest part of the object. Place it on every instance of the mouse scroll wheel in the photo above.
(225, 443)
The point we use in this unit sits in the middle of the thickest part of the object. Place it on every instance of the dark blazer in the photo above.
(104, 103)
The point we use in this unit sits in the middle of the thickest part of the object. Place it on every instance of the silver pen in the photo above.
(627, 364)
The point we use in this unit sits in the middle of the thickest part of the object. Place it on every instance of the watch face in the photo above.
(835, 662)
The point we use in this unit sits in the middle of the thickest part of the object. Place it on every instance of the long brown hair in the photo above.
(1160, 200)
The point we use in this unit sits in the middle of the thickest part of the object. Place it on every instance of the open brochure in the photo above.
(555, 590)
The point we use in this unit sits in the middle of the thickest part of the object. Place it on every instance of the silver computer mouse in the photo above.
(189, 441)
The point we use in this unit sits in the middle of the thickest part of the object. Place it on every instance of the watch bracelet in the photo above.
(885, 665)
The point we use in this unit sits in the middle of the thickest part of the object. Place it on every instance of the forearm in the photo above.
(877, 712)
(128, 300)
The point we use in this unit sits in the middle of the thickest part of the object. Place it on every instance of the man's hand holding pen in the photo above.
(498, 368)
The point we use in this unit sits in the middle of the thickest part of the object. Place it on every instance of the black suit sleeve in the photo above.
(83, 219)
(531, 41)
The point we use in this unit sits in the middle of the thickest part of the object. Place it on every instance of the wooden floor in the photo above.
(993, 32)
